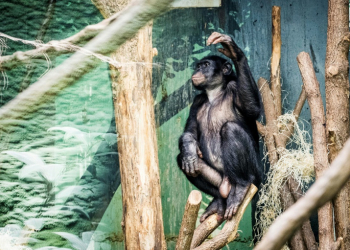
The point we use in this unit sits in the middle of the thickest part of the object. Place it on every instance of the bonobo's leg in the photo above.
(240, 163)
(208, 181)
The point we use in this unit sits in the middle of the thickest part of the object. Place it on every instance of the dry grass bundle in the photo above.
(297, 163)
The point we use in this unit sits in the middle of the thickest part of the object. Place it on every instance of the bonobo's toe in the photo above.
(216, 206)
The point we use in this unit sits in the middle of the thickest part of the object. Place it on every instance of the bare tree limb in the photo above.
(337, 103)
(323, 190)
(204, 230)
(124, 27)
(307, 233)
(55, 48)
(188, 224)
(312, 88)
(261, 129)
(275, 59)
(297, 241)
(229, 231)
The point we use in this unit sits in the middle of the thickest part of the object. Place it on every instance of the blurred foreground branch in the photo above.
(323, 190)
(125, 25)
(55, 48)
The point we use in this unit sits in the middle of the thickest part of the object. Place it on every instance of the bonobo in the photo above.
(219, 149)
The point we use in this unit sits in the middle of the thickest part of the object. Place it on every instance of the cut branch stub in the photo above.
(189, 221)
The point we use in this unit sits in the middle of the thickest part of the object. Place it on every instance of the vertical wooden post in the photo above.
(312, 87)
(137, 144)
(337, 103)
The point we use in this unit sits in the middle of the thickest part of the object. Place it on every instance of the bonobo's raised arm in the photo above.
(247, 93)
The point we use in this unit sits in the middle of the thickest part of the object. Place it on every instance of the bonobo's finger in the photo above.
(213, 37)
(183, 165)
(229, 213)
(196, 165)
(192, 171)
(187, 169)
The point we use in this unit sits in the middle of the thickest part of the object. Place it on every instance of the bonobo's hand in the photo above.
(190, 160)
(226, 42)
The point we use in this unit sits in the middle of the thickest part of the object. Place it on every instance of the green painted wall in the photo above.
(91, 161)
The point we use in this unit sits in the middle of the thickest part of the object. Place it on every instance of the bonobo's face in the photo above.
(210, 72)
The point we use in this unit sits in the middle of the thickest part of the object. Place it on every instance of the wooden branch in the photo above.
(312, 88)
(229, 231)
(123, 28)
(204, 230)
(287, 132)
(275, 59)
(323, 190)
(55, 48)
(188, 224)
(307, 233)
(271, 126)
(297, 241)
(337, 103)
(261, 129)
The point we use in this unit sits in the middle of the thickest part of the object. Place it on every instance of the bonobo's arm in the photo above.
(247, 97)
(188, 142)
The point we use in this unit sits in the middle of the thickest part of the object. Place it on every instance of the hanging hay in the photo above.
(9, 242)
(297, 163)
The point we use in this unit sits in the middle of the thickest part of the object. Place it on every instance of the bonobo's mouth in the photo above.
(197, 79)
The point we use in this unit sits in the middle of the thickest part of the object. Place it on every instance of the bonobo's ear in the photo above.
(227, 68)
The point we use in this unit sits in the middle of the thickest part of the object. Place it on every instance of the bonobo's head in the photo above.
(211, 72)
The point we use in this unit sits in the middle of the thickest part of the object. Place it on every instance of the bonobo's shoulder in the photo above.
(231, 85)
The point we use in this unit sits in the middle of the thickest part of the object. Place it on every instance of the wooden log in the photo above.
(189, 219)
(307, 233)
(322, 191)
(337, 103)
(296, 242)
(204, 230)
(312, 87)
(229, 231)
(137, 144)
(275, 77)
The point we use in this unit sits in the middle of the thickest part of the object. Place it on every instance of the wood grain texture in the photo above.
(189, 219)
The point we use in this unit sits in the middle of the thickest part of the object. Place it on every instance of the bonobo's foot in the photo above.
(225, 187)
(235, 199)
(216, 206)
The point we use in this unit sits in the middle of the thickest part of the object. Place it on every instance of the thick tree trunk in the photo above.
(312, 87)
(337, 103)
(137, 144)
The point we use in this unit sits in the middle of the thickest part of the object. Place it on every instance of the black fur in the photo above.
(224, 129)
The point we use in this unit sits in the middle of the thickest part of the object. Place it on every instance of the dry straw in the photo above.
(297, 163)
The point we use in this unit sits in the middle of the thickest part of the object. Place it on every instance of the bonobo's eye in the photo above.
(207, 64)
(198, 67)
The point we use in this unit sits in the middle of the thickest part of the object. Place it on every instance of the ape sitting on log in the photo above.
(219, 149)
